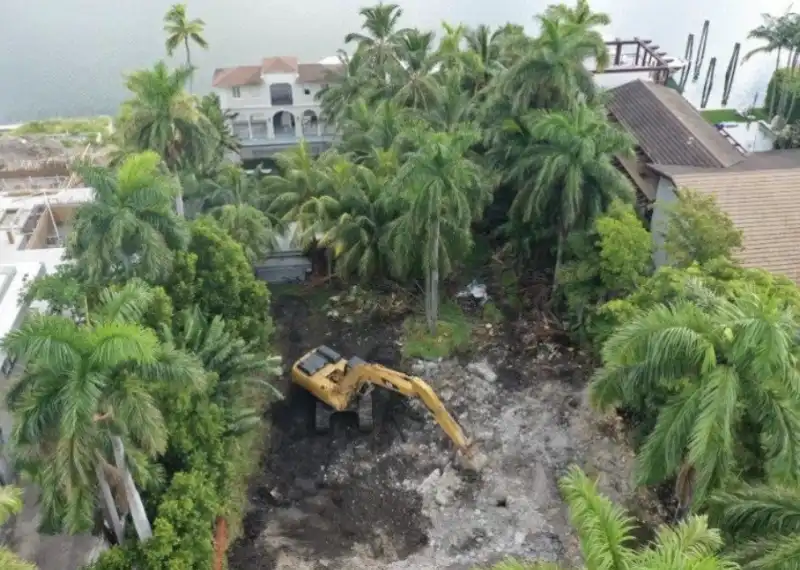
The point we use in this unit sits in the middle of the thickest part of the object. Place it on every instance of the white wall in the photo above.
(665, 196)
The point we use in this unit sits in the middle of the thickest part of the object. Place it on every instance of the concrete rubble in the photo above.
(531, 425)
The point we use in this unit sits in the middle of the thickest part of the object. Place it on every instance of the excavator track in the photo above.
(366, 422)
(322, 417)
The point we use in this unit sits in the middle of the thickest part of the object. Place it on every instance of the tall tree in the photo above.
(414, 84)
(86, 396)
(181, 30)
(446, 191)
(129, 229)
(380, 42)
(163, 118)
(562, 165)
(719, 376)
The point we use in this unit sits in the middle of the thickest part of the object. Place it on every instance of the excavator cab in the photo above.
(320, 371)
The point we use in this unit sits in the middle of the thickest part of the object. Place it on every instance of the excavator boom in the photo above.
(338, 383)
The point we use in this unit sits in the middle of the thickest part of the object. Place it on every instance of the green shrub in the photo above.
(782, 80)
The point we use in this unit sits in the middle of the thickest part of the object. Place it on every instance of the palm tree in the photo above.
(300, 193)
(211, 106)
(232, 186)
(353, 81)
(605, 534)
(778, 34)
(357, 236)
(563, 169)
(87, 395)
(445, 191)
(10, 503)
(248, 226)
(181, 30)
(379, 44)
(719, 376)
(129, 228)
(764, 523)
(580, 15)
(163, 118)
(483, 55)
(550, 70)
(414, 84)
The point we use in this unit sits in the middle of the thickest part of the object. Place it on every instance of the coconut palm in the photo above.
(413, 82)
(483, 55)
(445, 191)
(250, 227)
(368, 130)
(85, 397)
(163, 118)
(351, 82)
(129, 228)
(232, 185)
(764, 523)
(561, 164)
(357, 236)
(380, 42)
(11, 503)
(719, 376)
(300, 193)
(181, 30)
(607, 543)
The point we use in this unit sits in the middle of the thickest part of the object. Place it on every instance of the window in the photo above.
(307, 91)
(237, 92)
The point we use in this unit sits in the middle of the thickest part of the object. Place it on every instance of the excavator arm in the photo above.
(364, 373)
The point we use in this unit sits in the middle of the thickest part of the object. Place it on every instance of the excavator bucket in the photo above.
(472, 459)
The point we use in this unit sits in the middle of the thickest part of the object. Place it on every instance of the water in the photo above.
(68, 57)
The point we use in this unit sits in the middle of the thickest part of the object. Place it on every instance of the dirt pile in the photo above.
(391, 500)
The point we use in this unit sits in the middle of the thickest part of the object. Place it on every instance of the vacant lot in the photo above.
(391, 499)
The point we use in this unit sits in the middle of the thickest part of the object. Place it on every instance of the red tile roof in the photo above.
(237, 76)
(280, 64)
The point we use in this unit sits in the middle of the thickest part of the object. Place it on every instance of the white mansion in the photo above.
(275, 104)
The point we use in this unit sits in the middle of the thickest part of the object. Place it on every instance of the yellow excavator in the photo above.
(341, 385)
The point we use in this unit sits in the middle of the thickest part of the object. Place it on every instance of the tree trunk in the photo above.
(786, 83)
(434, 278)
(774, 88)
(790, 84)
(109, 506)
(189, 62)
(428, 300)
(179, 203)
(138, 514)
(684, 491)
(562, 238)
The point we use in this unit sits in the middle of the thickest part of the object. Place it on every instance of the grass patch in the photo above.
(74, 126)
(715, 116)
(453, 334)
(491, 314)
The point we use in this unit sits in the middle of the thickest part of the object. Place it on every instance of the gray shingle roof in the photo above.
(668, 128)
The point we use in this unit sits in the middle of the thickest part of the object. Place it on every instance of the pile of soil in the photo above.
(392, 500)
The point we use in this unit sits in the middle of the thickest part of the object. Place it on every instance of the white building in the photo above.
(275, 103)
(33, 227)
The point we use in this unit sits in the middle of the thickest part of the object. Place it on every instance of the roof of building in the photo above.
(237, 76)
(279, 64)
(764, 203)
(242, 75)
(315, 72)
(668, 128)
